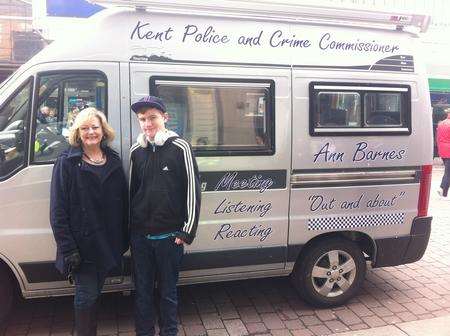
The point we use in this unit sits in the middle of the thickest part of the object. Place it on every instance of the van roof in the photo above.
(129, 35)
(280, 10)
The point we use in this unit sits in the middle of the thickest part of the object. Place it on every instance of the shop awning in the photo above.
(441, 85)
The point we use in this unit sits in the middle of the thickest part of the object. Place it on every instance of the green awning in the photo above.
(441, 85)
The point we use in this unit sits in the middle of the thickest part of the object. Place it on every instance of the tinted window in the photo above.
(346, 109)
(337, 109)
(382, 109)
(219, 116)
(61, 98)
(13, 124)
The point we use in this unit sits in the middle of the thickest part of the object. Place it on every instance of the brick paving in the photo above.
(271, 306)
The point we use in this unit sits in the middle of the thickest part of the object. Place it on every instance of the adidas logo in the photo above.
(166, 168)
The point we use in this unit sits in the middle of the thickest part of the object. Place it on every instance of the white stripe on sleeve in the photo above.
(190, 199)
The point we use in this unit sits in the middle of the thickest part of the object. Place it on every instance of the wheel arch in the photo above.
(363, 240)
(9, 267)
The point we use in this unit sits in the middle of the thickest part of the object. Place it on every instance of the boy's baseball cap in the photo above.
(149, 101)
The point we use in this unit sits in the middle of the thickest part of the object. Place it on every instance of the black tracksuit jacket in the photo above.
(164, 189)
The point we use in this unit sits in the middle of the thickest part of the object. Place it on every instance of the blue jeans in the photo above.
(88, 285)
(155, 261)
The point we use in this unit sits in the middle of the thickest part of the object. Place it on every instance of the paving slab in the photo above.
(439, 326)
(380, 331)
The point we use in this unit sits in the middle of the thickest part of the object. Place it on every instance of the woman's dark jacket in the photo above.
(88, 214)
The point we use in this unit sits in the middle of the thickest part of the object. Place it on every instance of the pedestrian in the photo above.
(165, 206)
(443, 144)
(89, 213)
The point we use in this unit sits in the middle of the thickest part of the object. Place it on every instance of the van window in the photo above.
(354, 109)
(382, 109)
(61, 97)
(13, 125)
(338, 109)
(223, 117)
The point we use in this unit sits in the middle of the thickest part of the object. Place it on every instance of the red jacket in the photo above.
(443, 138)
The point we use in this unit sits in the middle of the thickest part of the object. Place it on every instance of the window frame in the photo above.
(27, 127)
(37, 102)
(229, 151)
(362, 89)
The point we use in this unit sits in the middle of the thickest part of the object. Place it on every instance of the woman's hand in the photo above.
(179, 241)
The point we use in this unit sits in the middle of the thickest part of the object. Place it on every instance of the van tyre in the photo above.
(329, 272)
(7, 293)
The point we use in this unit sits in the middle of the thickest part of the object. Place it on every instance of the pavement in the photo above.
(412, 299)
(438, 326)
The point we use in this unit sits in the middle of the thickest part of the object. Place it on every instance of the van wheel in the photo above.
(6, 293)
(329, 272)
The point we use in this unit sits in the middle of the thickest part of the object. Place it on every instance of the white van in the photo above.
(311, 127)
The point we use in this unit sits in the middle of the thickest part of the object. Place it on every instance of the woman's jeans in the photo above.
(155, 261)
(88, 285)
(446, 178)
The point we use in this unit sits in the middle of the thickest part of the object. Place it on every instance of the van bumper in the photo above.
(405, 249)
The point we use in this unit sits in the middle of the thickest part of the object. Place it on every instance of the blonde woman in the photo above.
(89, 213)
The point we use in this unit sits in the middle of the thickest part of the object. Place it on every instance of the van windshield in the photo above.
(3, 84)
(8, 80)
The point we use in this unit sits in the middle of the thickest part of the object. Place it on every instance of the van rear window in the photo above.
(219, 116)
(355, 108)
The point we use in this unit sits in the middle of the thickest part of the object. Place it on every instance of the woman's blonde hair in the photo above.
(86, 115)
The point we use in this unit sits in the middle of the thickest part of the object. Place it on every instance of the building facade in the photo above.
(18, 41)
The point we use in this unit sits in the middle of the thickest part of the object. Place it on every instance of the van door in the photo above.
(61, 91)
(238, 123)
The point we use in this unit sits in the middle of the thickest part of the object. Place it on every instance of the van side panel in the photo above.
(337, 182)
(230, 237)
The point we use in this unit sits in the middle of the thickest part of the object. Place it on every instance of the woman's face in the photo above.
(91, 132)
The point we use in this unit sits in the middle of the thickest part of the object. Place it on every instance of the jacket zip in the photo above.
(155, 157)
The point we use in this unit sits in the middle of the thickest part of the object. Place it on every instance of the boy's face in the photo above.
(151, 121)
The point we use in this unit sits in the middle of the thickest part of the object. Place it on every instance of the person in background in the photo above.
(165, 207)
(43, 114)
(89, 213)
(443, 144)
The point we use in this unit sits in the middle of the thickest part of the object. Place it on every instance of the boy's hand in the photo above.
(179, 241)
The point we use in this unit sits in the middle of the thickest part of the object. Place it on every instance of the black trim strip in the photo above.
(341, 183)
(243, 180)
(45, 271)
(143, 59)
(168, 60)
(362, 169)
(233, 258)
(349, 184)
(293, 252)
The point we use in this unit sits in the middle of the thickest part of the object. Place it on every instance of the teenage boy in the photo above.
(165, 206)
